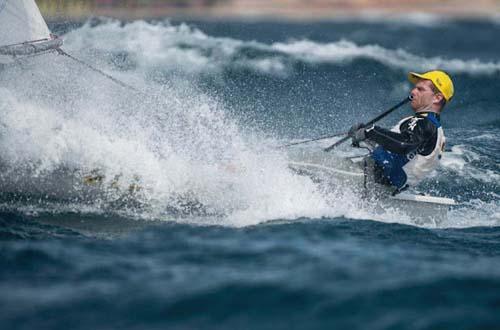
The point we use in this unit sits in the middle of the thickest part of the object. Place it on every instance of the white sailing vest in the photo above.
(420, 166)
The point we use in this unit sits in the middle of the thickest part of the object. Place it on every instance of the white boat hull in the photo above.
(326, 169)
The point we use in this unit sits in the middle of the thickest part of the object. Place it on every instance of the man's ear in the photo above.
(438, 97)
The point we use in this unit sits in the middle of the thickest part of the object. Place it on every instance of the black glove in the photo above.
(357, 133)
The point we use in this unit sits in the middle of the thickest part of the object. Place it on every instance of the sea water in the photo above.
(206, 226)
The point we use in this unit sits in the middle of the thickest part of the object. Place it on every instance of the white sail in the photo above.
(21, 21)
(23, 30)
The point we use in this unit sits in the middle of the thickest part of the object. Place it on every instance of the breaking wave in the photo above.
(345, 51)
(179, 146)
(184, 50)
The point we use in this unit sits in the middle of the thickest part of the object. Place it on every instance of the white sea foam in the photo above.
(460, 162)
(474, 213)
(175, 48)
(187, 50)
(180, 152)
(347, 51)
(419, 19)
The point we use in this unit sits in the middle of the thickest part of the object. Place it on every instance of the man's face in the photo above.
(423, 95)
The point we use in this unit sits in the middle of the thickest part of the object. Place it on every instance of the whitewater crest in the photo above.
(178, 151)
(186, 50)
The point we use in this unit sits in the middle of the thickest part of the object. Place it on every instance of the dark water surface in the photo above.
(318, 274)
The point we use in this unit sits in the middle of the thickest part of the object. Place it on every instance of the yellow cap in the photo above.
(440, 79)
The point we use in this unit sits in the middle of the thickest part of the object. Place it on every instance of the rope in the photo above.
(312, 140)
(108, 76)
(121, 83)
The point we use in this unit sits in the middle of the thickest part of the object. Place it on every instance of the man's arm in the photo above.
(408, 140)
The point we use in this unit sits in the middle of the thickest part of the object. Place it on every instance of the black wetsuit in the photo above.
(418, 135)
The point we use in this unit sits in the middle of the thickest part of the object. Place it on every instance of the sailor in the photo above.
(408, 152)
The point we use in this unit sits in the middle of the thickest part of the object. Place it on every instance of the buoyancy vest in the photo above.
(410, 168)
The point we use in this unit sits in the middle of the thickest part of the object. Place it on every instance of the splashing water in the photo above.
(185, 150)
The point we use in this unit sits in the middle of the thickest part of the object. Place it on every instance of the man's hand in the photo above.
(357, 134)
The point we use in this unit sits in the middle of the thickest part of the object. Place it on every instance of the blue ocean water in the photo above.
(189, 216)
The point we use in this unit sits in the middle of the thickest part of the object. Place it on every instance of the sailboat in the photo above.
(23, 31)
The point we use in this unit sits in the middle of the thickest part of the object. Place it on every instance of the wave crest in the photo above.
(184, 49)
